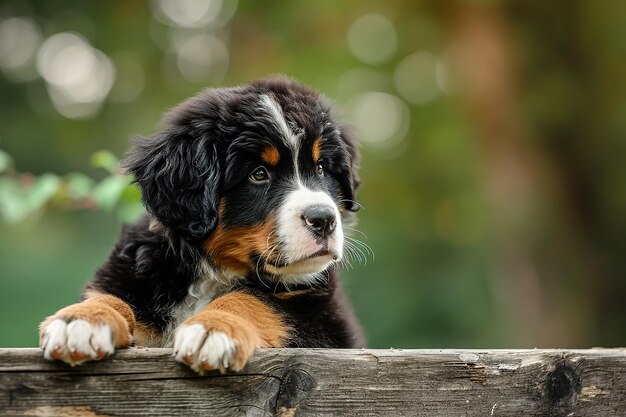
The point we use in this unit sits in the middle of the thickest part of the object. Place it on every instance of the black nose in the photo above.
(320, 219)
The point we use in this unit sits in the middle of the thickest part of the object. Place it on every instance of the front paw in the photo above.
(206, 350)
(87, 331)
(75, 341)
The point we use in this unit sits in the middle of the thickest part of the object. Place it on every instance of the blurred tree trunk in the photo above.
(539, 259)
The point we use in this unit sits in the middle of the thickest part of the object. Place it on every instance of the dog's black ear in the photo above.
(179, 177)
(349, 178)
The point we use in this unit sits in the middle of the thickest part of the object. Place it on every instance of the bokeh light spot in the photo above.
(19, 40)
(416, 78)
(381, 119)
(187, 13)
(373, 39)
(202, 57)
(78, 77)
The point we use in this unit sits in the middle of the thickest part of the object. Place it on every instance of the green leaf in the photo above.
(108, 192)
(79, 185)
(42, 191)
(6, 161)
(12, 201)
(106, 160)
(132, 194)
(130, 207)
(129, 212)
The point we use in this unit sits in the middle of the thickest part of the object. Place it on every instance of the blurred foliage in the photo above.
(493, 150)
(25, 195)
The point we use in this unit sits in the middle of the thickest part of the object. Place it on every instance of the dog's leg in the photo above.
(227, 332)
(88, 330)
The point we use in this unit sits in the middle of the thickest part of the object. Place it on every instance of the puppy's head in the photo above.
(261, 178)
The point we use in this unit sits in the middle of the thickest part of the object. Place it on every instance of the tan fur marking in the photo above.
(145, 335)
(97, 309)
(270, 155)
(290, 294)
(317, 149)
(233, 248)
(248, 321)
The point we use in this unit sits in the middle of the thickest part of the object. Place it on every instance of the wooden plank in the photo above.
(311, 382)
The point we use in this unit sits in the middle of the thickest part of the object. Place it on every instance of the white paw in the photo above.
(76, 341)
(204, 350)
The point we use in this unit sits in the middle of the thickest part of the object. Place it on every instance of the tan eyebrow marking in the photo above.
(270, 155)
(317, 149)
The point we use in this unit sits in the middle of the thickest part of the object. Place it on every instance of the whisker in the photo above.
(353, 202)
(347, 264)
(354, 251)
(280, 259)
(258, 264)
(362, 245)
(355, 230)
(353, 255)
(278, 282)
(271, 249)
(318, 280)
(361, 249)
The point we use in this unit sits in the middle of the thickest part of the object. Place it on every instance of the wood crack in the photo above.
(303, 382)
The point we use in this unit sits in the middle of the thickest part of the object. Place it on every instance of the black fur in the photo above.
(201, 158)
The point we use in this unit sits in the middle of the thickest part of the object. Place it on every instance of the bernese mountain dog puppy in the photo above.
(248, 191)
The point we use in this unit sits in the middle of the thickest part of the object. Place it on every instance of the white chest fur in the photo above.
(199, 295)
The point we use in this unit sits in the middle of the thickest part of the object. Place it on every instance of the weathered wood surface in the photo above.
(304, 382)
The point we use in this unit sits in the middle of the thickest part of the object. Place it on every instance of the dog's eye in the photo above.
(319, 169)
(259, 175)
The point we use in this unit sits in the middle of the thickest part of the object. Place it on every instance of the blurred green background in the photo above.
(493, 140)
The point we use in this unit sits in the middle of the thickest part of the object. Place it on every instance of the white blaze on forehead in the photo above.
(274, 109)
(298, 243)
(289, 137)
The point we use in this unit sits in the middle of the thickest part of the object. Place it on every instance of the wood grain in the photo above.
(312, 382)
